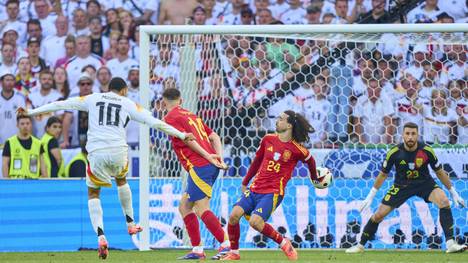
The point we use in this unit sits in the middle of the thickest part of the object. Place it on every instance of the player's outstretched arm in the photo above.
(255, 165)
(445, 179)
(144, 116)
(77, 103)
(377, 184)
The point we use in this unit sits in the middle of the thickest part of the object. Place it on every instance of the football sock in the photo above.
(270, 232)
(125, 197)
(213, 225)
(446, 221)
(234, 235)
(369, 231)
(95, 214)
(193, 229)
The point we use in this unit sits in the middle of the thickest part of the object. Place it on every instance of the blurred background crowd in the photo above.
(351, 91)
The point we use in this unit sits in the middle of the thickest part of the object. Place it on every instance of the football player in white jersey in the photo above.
(109, 114)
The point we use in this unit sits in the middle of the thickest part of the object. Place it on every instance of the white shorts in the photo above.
(105, 164)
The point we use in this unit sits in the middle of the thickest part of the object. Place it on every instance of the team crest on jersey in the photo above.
(286, 155)
(411, 166)
(270, 149)
(276, 156)
(419, 162)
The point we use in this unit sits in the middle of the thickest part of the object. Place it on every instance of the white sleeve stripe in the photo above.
(308, 157)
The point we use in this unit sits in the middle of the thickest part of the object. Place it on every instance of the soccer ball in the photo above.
(327, 181)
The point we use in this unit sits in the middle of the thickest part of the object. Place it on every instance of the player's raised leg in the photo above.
(125, 198)
(371, 228)
(439, 198)
(95, 214)
(193, 228)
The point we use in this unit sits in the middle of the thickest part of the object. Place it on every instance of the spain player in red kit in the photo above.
(201, 158)
(271, 169)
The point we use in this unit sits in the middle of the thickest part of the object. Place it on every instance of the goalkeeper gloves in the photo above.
(456, 197)
(368, 201)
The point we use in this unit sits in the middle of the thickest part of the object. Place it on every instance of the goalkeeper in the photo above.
(411, 160)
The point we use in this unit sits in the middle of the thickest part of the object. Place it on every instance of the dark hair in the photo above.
(410, 125)
(300, 126)
(93, 2)
(52, 120)
(12, 2)
(22, 116)
(117, 84)
(88, 66)
(123, 37)
(98, 18)
(171, 94)
(34, 22)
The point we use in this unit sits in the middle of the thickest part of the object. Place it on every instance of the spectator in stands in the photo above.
(83, 57)
(120, 65)
(264, 17)
(134, 52)
(80, 23)
(341, 12)
(409, 108)
(444, 18)
(439, 120)
(38, 64)
(103, 77)
(425, 13)
(34, 30)
(75, 123)
(295, 14)
(126, 20)
(420, 54)
(462, 112)
(377, 15)
(430, 80)
(111, 52)
(10, 36)
(70, 48)
(373, 123)
(163, 68)
(47, 19)
(25, 81)
(313, 15)
(269, 76)
(247, 16)
(8, 63)
(93, 8)
(39, 97)
(456, 9)
(76, 168)
(176, 12)
(279, 9)
(10, 100)
(139, 8)
(133, 128)
(112, 22)
(233, 17)
(22, 155)
(456, 66)
(316, 109)
(455, 89)
(99, 42)
(283, 54)
(211, 18)
(198, 16)
(52, 153)
(54, 45)
(222, 8)
(61, 83)
(12, 9)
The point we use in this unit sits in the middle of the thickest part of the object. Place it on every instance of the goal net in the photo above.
(357, 85)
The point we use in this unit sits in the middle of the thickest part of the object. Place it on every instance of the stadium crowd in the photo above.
(351, 92)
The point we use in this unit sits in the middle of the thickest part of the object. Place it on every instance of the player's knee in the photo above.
(256, 223)
(444, 202)
(234, 217)
(378, 217)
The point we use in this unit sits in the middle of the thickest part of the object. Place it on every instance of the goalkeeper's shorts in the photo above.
(105, 164)
(398, 194)
(200, 182)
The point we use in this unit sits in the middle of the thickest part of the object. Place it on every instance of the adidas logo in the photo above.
(402, 162)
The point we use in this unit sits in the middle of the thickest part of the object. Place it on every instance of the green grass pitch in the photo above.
(258, 256)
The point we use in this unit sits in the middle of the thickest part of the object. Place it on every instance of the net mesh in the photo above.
(357, 90)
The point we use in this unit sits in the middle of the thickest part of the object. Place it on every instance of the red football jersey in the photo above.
(186, 121)
(274, 163)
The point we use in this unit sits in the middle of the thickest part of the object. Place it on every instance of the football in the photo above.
(327, 180)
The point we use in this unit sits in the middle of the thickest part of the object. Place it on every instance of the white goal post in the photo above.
(355, 32)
